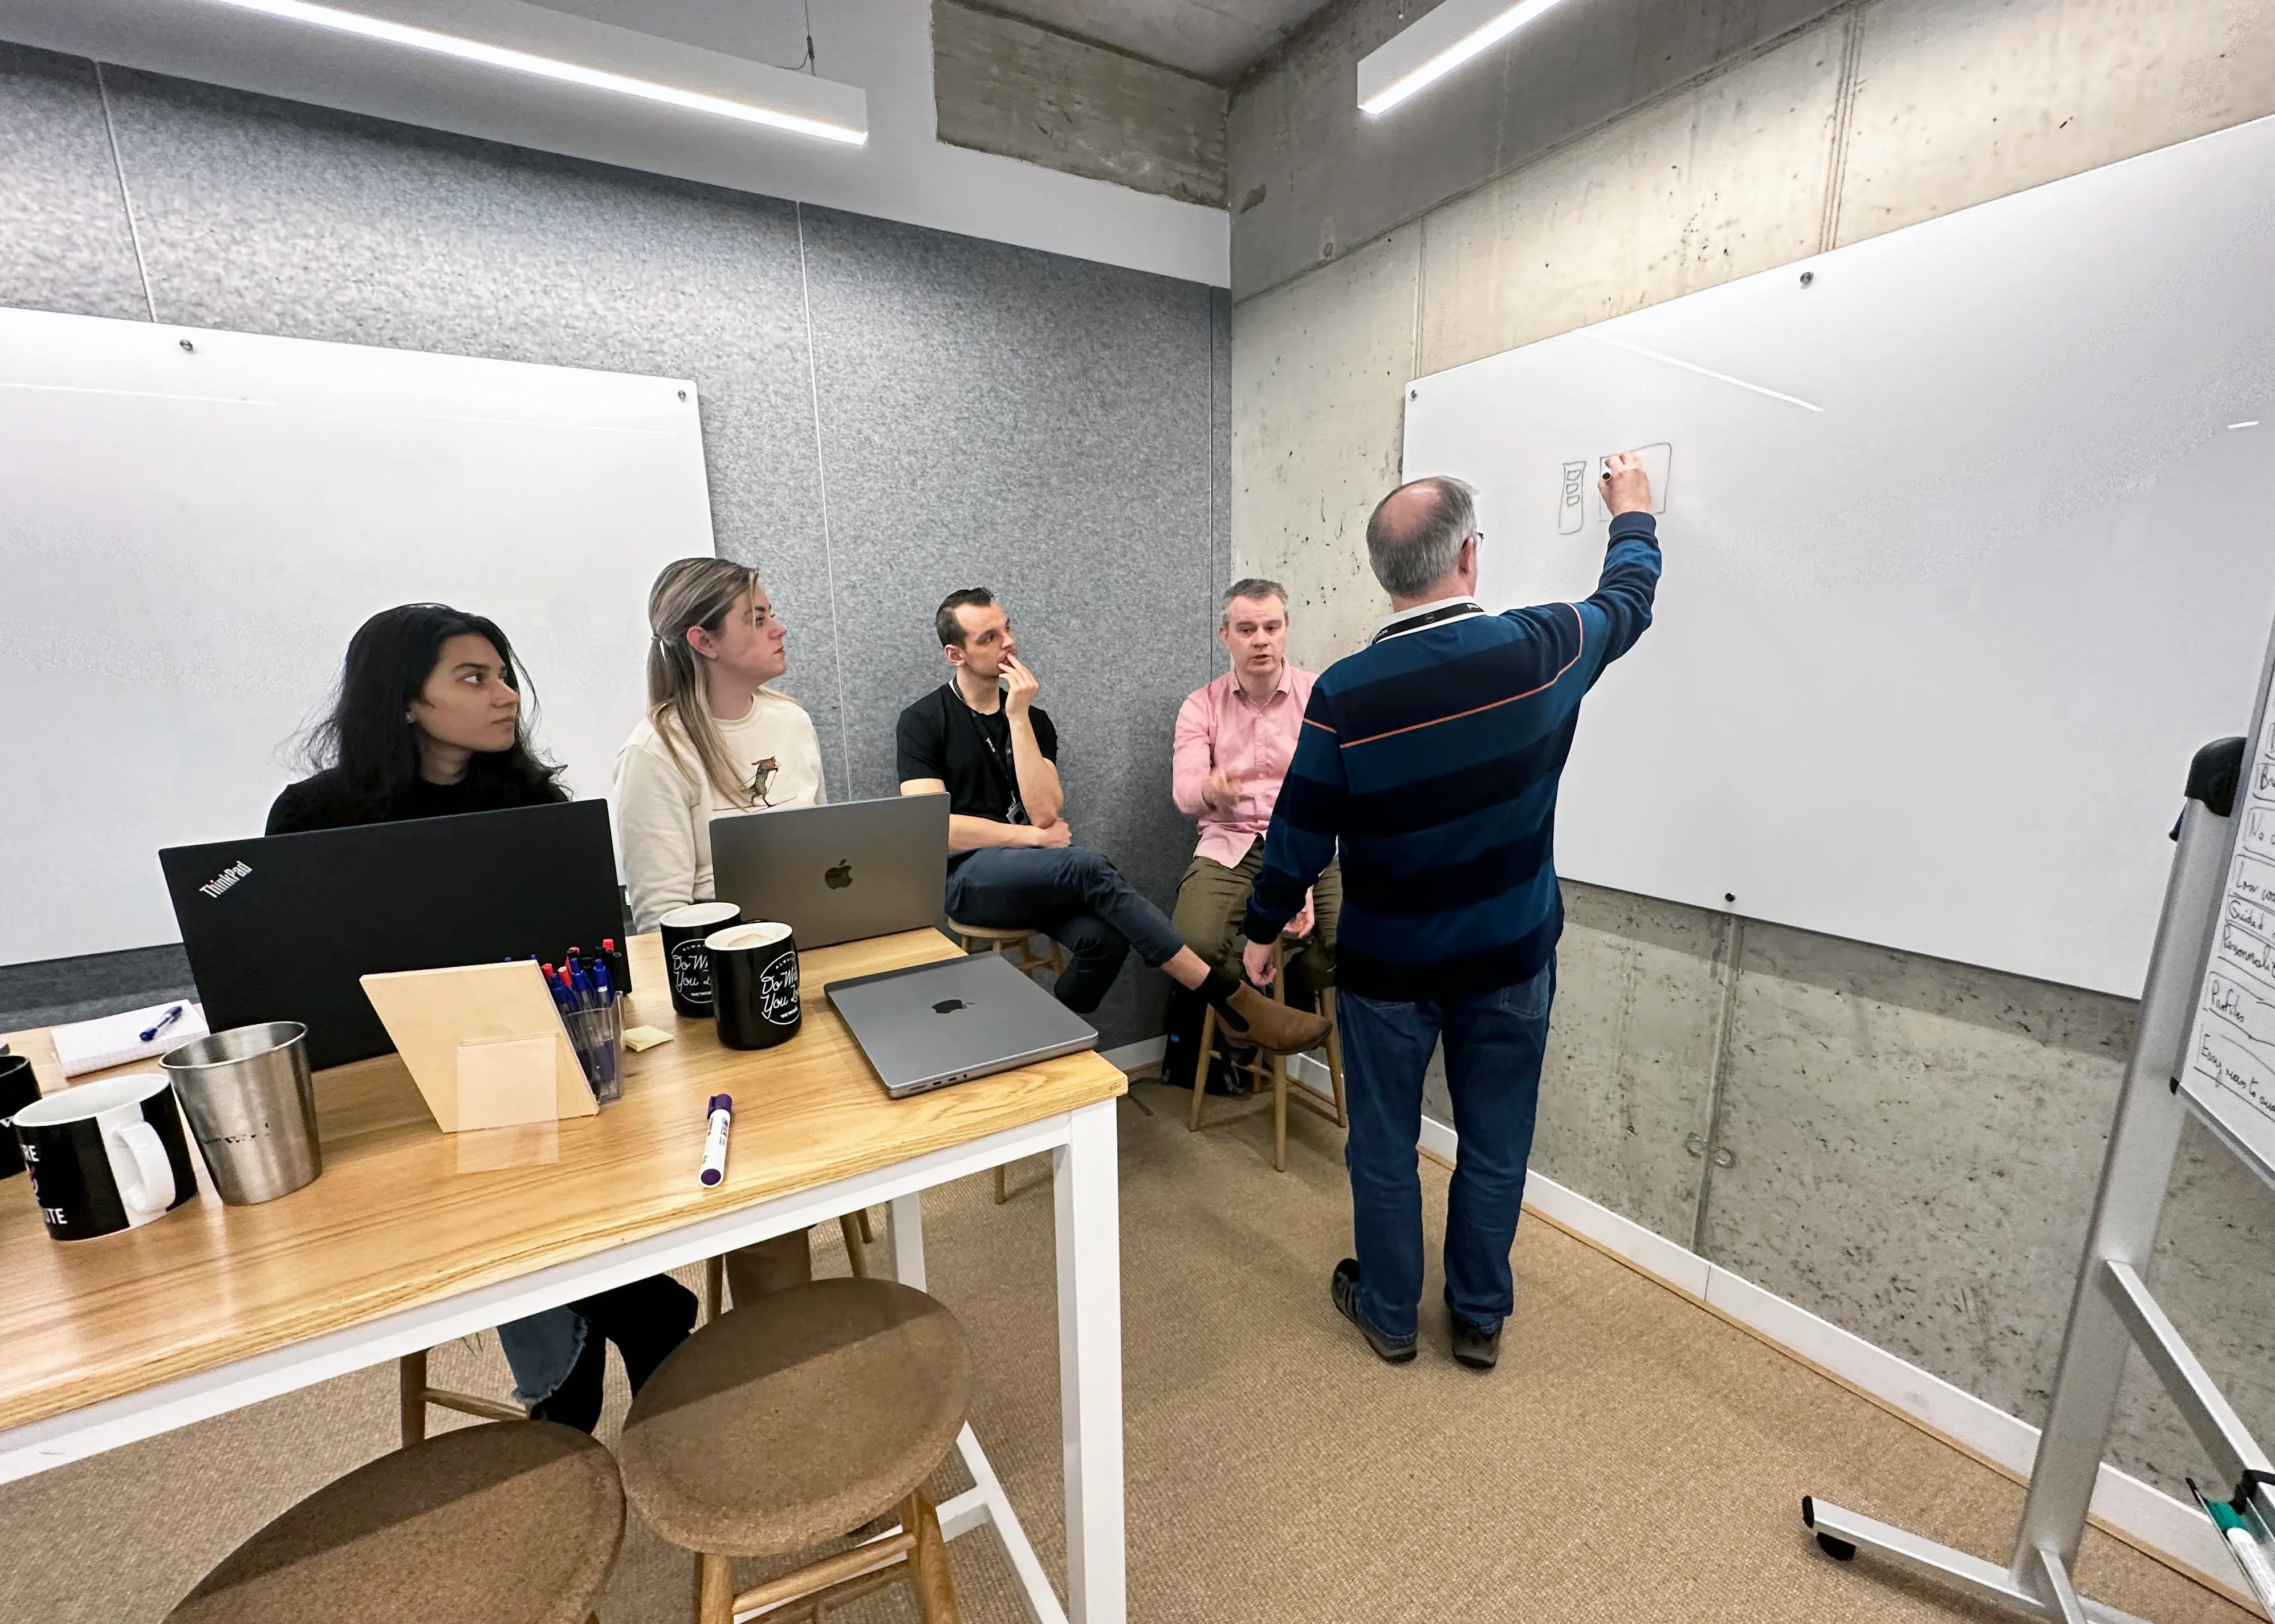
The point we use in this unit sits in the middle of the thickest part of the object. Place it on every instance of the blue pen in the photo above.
(581, 984)
(604, 997)
(164, 1020)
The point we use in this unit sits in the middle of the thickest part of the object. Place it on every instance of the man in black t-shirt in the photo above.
(1012, 864)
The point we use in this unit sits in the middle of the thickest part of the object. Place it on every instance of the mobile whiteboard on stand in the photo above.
(2206, 1047)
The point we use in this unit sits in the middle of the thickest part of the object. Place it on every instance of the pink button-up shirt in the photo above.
(1222, 727)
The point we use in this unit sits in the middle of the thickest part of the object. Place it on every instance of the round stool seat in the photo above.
(993, 933)
(516, 1523)
(780, 1425)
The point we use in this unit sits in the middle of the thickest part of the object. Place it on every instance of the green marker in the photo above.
(2241, 1540)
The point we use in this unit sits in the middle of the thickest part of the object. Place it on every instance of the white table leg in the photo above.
(1085, 1174)
(904, 1226)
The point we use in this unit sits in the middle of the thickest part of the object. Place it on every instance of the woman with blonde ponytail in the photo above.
(716, 739)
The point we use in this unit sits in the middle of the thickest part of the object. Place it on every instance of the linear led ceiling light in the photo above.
(1435, 45)
(846, 119)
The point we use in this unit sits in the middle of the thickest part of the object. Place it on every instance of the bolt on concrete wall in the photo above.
(1008, 86)
(1906, 1146)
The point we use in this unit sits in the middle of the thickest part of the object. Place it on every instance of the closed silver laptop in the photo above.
(837, 874)
(929, 1025)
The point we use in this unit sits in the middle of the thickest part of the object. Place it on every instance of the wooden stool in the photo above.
(413, 1395)
(512, 1524)
(772, 1430)
(853, 1226)
(1273, 1069)
(993, 938)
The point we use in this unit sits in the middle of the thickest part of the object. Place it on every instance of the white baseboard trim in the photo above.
(2124, 1505)
(1130, 1056)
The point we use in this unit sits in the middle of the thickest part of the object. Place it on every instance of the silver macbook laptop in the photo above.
(933, 1024)
(837, 874)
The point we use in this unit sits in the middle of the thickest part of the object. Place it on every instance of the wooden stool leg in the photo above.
(714, 1589)
(1335, 1058)
(1280, 1114)
(1201, 1069)
(410, 1394)
(851, 1231)
(868, 1237)
(715, 1287)
(928, 1572)
(1002, 1193)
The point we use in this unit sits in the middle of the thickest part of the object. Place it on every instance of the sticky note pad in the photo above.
(639, 1037)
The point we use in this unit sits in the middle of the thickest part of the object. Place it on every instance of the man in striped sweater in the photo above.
(1430, 756)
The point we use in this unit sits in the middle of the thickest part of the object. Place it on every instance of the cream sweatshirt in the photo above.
(664, 809)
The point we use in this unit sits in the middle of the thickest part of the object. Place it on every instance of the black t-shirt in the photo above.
(323, 802)
(940, 737)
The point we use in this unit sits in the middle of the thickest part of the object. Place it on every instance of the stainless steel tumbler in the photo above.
(252, 1108)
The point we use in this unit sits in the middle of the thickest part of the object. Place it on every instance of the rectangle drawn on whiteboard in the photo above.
(2255, 881)
(2259, 830)
(2236, 1069)
(2246, 954)
(2243, 1005)
(1658, 460)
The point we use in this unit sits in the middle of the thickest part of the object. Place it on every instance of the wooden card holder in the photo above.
(484, 1042)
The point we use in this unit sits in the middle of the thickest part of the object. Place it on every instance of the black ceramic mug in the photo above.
(686, 964)
(17, 1089)
(107, 1155)
(754, 985)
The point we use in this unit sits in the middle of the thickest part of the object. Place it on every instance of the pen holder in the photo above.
(597, 1036)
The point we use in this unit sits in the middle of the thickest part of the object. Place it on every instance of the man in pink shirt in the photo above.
(1234, 739)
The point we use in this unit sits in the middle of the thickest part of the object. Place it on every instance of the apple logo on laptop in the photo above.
(950, 1006)
(838, 878)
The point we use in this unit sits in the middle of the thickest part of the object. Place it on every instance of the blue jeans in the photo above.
(1074, 896)
(1493, 1044)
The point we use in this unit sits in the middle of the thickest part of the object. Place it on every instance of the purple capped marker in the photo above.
(714, 1143)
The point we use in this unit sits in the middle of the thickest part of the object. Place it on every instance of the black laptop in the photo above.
(281, 928)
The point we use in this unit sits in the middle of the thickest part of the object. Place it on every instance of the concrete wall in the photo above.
(889, 412)
(1006, 85)
(1906, 1146)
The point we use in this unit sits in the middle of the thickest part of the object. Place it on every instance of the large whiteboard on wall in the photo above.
(1969, 544)
(192, 525)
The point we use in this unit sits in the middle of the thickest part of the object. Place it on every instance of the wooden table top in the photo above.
(394, 1221)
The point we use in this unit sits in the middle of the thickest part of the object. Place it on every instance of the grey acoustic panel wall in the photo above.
(64, 237)
(1045, 428)
(269, 216)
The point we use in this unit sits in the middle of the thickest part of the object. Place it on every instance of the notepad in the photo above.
(116, 1040)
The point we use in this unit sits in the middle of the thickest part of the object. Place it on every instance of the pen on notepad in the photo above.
(164, 1020)
(715, 1142)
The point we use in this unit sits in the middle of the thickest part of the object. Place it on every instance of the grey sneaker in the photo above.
(1344, 1289)
(1474, 1345)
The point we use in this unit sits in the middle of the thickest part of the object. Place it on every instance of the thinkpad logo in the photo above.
(227, 878)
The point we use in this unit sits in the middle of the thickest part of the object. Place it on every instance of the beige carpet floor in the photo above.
(1634, 1458)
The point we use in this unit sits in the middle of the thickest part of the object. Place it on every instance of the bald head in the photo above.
(1414, 540)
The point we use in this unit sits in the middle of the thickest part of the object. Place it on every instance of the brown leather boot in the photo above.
(1276, 1028)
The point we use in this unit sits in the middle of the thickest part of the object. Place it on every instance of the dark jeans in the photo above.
(1073, 895)
(1493, 1044)
(645, 1319)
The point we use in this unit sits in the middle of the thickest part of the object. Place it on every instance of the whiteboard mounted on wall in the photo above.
(195, 522)
(1970, 542)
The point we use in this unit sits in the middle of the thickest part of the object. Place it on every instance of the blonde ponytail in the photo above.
(689, 593)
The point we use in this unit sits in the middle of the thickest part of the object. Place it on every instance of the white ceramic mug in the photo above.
(107, 1155)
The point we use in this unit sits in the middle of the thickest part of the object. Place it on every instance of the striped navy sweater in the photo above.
(1431, 758)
